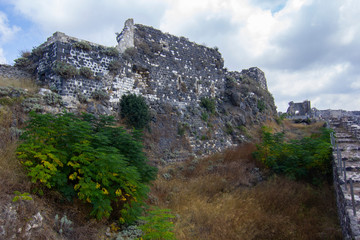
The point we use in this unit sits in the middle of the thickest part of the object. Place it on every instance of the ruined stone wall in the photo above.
(173, 74)
(299, 109)
(11, 72)
(345, 167)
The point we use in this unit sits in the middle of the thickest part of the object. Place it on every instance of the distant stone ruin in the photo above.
(299, 109)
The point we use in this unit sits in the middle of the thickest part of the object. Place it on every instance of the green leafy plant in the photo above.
(135, 110)
(110, 51)
(114, 67)
(90, 159)
(82, 45)
(305, 159)
(261, 105)
(209, 104)
(129, 53)
(158, 225)
(205, 116)
(65, 70)
(21, 196)
(100, 95)
(86, 72)
(182, 128)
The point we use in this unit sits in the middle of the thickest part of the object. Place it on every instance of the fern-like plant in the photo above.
(88, 158)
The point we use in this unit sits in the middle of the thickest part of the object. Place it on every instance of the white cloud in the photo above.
(307, 48)
(2, 57)
(93, 20)
(7, 33)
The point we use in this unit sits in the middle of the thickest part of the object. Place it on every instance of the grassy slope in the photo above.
(214, 198)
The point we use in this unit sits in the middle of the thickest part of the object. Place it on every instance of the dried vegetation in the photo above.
(225, 197)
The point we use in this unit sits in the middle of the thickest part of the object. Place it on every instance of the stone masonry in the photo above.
(173, 74)
(346, 145)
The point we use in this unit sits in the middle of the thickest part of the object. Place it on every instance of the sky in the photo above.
(308, 49)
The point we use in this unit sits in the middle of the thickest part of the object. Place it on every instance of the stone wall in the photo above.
(299, 109)
(173, 74)
(345, 170)
(11, 72)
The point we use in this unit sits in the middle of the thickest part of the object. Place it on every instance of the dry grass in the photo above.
(215, 198)
(25, 83)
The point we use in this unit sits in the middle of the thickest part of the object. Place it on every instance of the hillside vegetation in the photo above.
(225, 196)
(228, 195)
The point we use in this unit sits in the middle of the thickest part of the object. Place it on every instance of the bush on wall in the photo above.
(64, 69)
(135, 110)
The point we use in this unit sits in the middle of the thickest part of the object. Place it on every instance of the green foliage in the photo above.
(278, 120)
(209, 104)
(37, 52)
(100, 95)
(229, 128)
(205, 116)
(305, 159)
(53, 99)
(129, 53)
(135, 110)
(21, 196)
(110, 51)
(65, 70)
(261, 105)
(82, 45)
(22, 62)
(182, 128)
(158, 225)
(114, 67)
(86, 72)
(88, 158)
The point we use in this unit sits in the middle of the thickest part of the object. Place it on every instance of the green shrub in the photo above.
(114, 67)
(82, 45)
(158, 225)
(21, 196)
(209, 104)
(182, 128)
(110, 51)
(86, 72)
(135, 110)
(305, 159)
(261, 105)
(129, 53)
(100, 95)
(205, 116)
(37, 52)
(65, 70)
(22, 62)
(90, 159)
(229, 128)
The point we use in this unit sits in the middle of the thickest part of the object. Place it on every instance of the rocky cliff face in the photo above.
(173, 74)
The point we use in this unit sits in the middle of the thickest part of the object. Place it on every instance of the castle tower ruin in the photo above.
(126, 38)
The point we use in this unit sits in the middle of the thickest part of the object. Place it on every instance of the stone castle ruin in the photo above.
(300, 109)
(172, 73)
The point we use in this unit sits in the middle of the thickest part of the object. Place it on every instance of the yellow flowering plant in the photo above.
(88, 158)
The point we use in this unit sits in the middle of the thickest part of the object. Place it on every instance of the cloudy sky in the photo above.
(308, 49)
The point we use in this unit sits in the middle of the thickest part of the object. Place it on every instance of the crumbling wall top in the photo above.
(126, 38)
